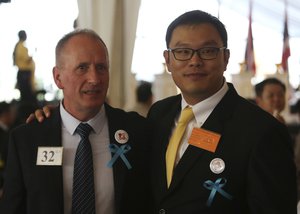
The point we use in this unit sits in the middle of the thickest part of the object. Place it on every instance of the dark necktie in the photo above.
(83, 198)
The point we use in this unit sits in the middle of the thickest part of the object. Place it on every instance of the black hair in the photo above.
(195, 17)
(144, 91)
(259, 88)
(22, 35)
(4, 107)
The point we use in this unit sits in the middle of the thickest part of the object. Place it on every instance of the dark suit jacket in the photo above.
(33, 189)
(259, 175)
(4, 138)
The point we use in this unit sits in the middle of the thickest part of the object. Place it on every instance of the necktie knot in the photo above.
(83, 129)
(186, 115)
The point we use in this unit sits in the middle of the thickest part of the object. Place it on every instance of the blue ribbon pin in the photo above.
(119, 152)
(216, 187)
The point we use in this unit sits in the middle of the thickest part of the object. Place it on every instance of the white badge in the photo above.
(217, 165)
(121, 136)
(49, 156)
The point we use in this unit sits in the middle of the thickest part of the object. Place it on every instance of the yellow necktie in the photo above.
(185, 116)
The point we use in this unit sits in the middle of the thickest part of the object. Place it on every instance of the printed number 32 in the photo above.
(48, 156)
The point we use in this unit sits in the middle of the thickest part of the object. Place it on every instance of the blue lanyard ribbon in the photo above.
(119, 152)
(216, 187)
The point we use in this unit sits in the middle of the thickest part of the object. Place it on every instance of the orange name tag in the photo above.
(204, 139)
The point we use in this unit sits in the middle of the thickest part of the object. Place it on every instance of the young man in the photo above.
(233, 157)
(46, 160)
(7, 119)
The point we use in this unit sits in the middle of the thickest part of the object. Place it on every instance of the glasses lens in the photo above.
(182, 53)
(208, 53)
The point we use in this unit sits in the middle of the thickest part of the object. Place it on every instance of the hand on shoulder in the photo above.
(40, 114)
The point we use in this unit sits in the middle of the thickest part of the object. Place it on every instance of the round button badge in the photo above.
(217, 165)
(121, 136)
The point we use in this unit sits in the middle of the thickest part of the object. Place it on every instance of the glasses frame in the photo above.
(196, 51)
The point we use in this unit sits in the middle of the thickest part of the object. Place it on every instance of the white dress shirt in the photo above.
(103, 175)
(201, 112)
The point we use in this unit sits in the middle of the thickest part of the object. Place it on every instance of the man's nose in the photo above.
(196, 59)
(93, 74)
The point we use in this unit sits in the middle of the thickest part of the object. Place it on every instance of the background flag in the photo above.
(249, 53)
(286, 46)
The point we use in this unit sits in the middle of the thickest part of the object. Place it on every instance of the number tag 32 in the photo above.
(49, 156)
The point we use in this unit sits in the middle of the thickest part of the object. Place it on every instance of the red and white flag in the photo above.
(249, 53)
(286, 52)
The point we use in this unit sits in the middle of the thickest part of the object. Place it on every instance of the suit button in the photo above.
(162, 211)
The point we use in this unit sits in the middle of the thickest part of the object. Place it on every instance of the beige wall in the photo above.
(116, 22)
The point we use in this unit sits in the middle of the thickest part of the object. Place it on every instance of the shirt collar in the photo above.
(71, 123)
(203, 109)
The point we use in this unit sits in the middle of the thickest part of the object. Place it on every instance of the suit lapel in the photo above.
(51, 176)
(115, 124)
(163, 134)
(193, 154)
(57, 139)
(215, 122)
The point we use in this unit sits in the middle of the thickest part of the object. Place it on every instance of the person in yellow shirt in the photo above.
(26, 68)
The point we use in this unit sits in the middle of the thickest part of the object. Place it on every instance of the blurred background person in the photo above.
(296, 110)
(270, 96)
(144, 98)
(26, 68)
(7, 119)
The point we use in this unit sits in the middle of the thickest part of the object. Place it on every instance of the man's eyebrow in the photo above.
(207, 43)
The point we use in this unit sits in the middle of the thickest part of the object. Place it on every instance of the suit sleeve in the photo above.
(13, 201)
(272, 174)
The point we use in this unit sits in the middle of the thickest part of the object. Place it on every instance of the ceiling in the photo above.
(270, 13)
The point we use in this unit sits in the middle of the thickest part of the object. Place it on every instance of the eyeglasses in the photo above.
(183, 54)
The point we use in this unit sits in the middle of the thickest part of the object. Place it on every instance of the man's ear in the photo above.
(167, 58)
(57, 77)
(226, 58)
(258, 101)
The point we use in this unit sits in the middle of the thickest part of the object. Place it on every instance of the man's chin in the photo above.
(94, 105)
